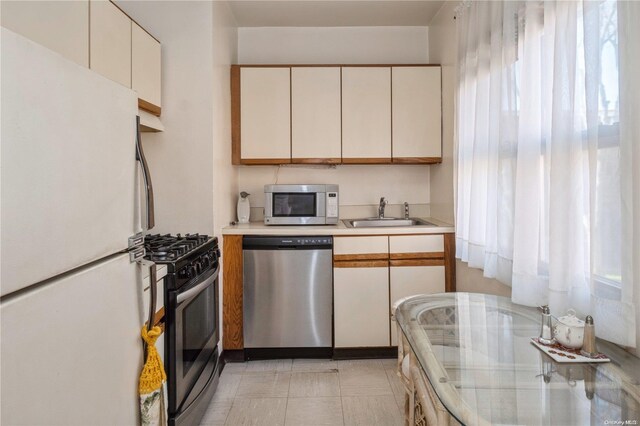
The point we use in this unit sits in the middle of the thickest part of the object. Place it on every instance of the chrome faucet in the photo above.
(381, 206)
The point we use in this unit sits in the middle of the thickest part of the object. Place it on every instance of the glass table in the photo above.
(475, 352)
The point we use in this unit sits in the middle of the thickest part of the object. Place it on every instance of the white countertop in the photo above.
(259, 228)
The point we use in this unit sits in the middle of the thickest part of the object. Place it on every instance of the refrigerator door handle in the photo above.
(146, 176)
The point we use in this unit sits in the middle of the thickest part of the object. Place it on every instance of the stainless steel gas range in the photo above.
(191, 316)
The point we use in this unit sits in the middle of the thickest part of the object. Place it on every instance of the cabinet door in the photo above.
(265, 120)
(61, 26)
(110, 39)
(315, 115)
(366, 115)
(361, 307)
(409, 280)
(417, 114)
(146, 68)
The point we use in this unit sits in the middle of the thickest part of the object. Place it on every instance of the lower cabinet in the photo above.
(361, 304)
(408, 280)
(370, 273)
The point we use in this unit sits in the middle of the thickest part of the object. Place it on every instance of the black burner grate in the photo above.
(168, 248)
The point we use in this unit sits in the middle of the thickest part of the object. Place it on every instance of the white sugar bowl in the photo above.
(569, 330)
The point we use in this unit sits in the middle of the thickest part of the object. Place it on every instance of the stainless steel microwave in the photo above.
(300, 204)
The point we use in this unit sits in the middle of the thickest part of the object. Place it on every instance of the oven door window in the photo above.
(294, 204)
(198, 325)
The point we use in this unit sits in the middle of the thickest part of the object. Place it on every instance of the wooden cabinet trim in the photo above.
(232, 314)
(417, 262)
(332, 65)
(235, 115)
(362, 264)
(366, 160)
(264, 161)
(417, 255)
(415, 160)
(316, 160)
(363, 256)
(148, 106)
(450, 262)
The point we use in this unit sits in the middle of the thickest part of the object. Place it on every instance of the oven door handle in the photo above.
(193, 292)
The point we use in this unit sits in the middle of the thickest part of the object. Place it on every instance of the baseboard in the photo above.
(233, 355)
(242, 355)
(279, 353)
(365, 353)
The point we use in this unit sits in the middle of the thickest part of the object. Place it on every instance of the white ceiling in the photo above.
(334, 13)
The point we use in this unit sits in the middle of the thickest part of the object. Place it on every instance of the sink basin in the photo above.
(374, 222)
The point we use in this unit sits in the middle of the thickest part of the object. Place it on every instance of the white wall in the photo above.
(359, 184)
(443, 50)
(333, 45)
(181, 157)
(225, 176)
(190, 161)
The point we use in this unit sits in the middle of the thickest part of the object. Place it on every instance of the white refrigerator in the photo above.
(71, 303)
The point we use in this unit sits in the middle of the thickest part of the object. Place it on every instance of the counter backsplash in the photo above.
(370, 210)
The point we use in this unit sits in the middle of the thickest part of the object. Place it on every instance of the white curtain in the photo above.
(547, 115)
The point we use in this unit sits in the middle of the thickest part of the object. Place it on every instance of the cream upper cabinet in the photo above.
(315, 114)
(265, 115)
(110, 38)
(361, 307)
(366, 114)
(416, 114)
(61, 26)
(145, 67)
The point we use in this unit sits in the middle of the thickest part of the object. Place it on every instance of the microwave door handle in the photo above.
(146, 176)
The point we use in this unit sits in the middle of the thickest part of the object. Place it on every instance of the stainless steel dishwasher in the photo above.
(288, 292)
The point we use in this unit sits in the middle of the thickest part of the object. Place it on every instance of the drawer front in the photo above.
(416, 244)
(361, 245)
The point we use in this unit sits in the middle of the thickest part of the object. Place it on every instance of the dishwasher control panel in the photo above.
(312, 241)
(305, 242)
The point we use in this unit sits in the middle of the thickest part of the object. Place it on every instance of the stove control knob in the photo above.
(191, 271)
(205, 261)
(188, 272)
(198, 267)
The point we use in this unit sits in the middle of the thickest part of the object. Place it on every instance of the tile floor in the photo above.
(303, 392)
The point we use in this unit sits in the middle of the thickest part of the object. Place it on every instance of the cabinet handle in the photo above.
(361, 264)
(417, 262)
(364, 256)
(417, 255)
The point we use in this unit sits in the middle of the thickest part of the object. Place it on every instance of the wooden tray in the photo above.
(565, 355)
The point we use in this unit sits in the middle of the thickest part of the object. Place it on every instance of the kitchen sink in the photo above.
(374, 222)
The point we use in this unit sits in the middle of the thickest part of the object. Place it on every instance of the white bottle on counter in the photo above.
(244, 207)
